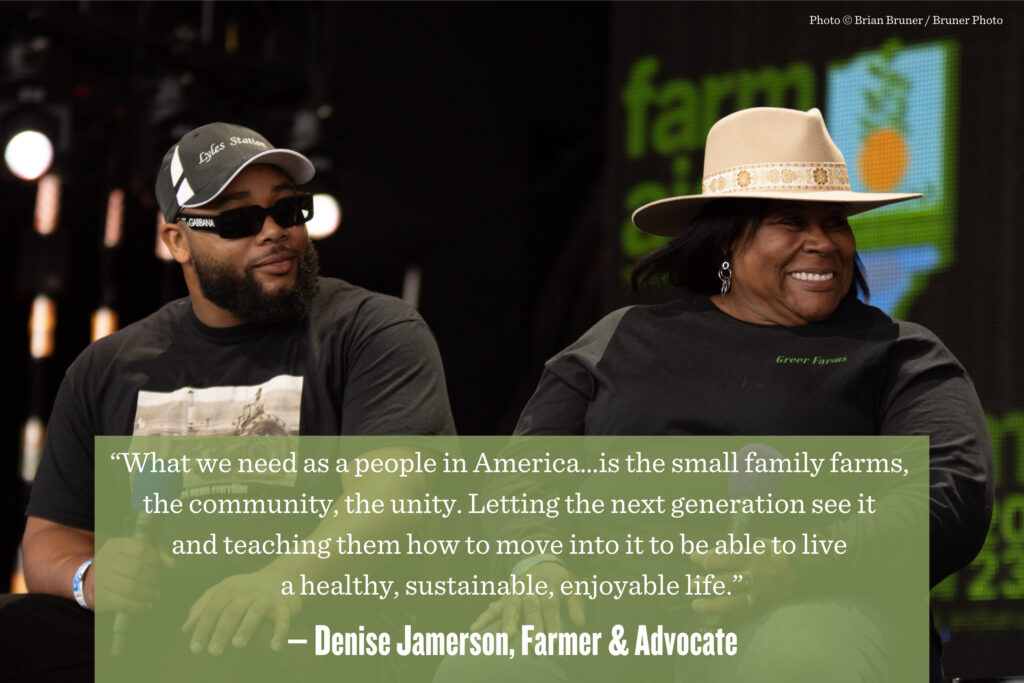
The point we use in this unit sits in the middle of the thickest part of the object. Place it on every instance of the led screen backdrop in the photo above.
(917, 103)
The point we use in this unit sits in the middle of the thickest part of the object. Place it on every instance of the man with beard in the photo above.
(319, 355)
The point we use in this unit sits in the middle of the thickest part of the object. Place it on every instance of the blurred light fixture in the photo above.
(326, 216)
(33, 434)
(104, 322)
(18, 578)
(308, 136)
(28, 154)
(42, 322)
(47, 204)
(34, 126)
(115, 218)
(411, 286)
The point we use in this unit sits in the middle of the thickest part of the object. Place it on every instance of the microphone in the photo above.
(147, 482)
(745, 484)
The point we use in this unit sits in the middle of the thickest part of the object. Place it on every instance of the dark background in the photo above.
(473, 141)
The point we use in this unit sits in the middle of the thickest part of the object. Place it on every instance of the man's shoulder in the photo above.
(340, 303)
(156, 329)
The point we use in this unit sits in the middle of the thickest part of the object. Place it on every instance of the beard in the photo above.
(245, 297)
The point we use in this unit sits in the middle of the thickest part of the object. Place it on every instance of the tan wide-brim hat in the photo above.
(765, 153)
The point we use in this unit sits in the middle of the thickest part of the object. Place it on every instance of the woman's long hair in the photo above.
(691, 260)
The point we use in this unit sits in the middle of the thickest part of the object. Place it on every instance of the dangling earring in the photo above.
(725, 275)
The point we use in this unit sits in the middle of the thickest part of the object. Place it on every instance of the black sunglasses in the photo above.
(246, 221)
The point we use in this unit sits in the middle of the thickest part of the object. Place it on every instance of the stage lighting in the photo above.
(47, 204)
(308, 136)
(18, 577)
(411, 286)
(41, 325)
(115, 218)
(104, 322)
(33, 434)
(34, 124)
(326, 216)
(29, 154)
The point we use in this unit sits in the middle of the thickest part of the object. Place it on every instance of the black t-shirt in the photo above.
(362, 363)
(688, 368)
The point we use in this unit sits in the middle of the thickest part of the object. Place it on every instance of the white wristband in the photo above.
(78, 583)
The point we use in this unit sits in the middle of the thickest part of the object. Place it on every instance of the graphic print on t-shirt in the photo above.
(268, 409)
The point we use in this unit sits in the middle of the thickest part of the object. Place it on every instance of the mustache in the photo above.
(288, 251)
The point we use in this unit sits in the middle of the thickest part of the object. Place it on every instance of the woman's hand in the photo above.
(766, 579)
(543, 612)
(234, 609)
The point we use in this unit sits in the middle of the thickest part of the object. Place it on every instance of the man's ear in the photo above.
(173, 236)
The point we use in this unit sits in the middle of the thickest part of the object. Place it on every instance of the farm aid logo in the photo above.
(893, 114)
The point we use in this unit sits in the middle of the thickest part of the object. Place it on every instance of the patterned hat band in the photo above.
(783, 176)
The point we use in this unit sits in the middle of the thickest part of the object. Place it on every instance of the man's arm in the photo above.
(52, 554)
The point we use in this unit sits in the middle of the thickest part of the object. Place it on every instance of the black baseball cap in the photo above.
(207, 159)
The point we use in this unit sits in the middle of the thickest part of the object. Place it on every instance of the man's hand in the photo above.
(234, 609)
(543, 612)
(131, 581)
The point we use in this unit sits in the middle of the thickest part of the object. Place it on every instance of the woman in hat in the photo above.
(773, 341)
